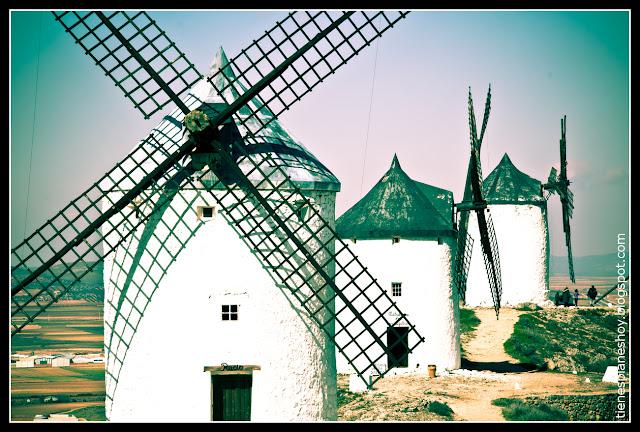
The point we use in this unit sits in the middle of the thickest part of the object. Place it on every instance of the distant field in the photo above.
(78, 386)
(28, 412)
(82, 378)
(67, 326)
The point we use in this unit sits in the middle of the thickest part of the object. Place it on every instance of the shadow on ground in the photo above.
(499, 367)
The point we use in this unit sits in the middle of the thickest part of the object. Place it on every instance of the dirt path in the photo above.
(484, 350)
(486, 346)
(505, 377)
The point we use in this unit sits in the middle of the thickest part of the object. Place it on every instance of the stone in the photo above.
(610, 375)
(356, 385)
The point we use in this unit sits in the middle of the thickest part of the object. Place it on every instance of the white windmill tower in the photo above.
(519, 209)
(519, 212)
(225, 222)
(229, 302)
(404, 230)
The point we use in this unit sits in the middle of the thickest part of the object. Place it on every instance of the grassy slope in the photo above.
(468, 324)
(468, 321)
(566, 339)
(91, 413)
(518, 410)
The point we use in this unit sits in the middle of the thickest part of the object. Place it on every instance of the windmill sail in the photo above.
(135, 54)
(464, 243)
(474, 200)
(566, 196)
(559, 183)
(150, 177)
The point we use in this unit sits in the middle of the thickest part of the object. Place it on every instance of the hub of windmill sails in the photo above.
(470, 205)
(213, 146)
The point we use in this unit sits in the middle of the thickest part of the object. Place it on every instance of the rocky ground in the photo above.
(489, 374)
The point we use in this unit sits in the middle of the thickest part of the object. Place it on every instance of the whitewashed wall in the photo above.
(523, 244)
(428, 298)
(182, 331)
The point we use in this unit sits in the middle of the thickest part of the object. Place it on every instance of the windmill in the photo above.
(405, 229)
(473, 200)
(218, 150)
(518, 205)
(560, 184)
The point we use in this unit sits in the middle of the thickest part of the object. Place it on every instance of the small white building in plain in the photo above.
(88, 358)
(55, 418)
(404, 231)
(27, 362)
(187, 282)
(60, 362)
(519, 213)
(44, 359)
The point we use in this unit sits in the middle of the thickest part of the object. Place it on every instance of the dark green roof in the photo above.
(508, 185)
(441, 199)
(398, 206)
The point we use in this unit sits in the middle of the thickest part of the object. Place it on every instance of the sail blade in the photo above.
(332, 38)
(491, 256)
(135, 54)
(485, 119)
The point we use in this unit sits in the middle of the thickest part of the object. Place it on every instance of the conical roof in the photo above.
(398, 206)
(508, 185)
(298, 162)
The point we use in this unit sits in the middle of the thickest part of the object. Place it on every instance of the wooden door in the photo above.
(398, 344)
(231, 397)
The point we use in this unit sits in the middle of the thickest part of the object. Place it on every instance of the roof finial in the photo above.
(219, 61)
(395, 163)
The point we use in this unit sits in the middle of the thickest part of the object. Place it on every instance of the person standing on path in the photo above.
(566, 297)
(592, 294)
(576, 295)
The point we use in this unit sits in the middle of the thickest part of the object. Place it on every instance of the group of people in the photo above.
(564, 298)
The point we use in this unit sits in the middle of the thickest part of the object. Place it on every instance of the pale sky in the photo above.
(541, 66)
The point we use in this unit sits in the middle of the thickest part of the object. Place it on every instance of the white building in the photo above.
(55, 418)
(60, 362)
(404, 231)
(27, 362)
(253, 352)
(88, 358)
(44, 359)
(519, 212)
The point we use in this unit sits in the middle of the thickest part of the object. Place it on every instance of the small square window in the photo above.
(395, 240)
(229, 312)
(396, 289)
(206, 212)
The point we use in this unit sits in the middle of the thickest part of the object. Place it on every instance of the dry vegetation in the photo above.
(566, 339)
(398, 398)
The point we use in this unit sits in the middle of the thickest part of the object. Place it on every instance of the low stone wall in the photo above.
(601, 407)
